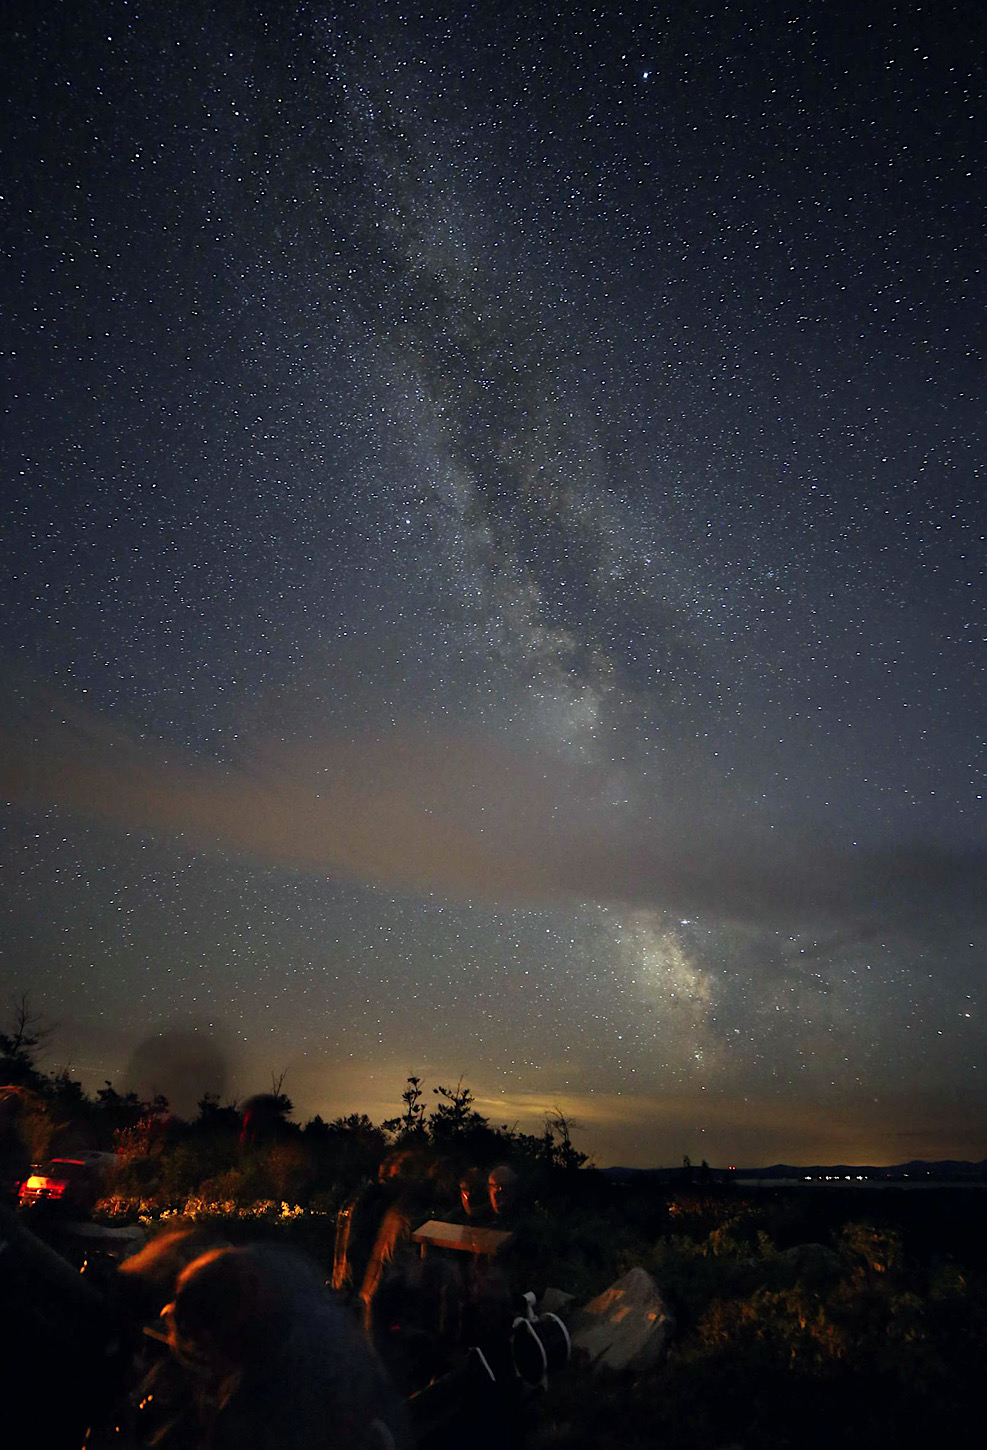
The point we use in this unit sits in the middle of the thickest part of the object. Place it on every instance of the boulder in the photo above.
(627, 1327)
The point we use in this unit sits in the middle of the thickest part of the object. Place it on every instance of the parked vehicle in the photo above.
(75, 1183)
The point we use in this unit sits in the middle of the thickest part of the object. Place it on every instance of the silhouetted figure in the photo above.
(263, 1357)
(393, 1271)
(263, 1119)
(359, 1222)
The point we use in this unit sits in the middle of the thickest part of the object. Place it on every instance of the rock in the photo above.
(628, 1326)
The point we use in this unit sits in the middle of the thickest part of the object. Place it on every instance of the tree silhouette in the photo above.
(454, 1113)
(558, 1141)
(27, 1033)
(411, 1123)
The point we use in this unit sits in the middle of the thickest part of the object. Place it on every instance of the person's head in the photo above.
(502, 1188)
(232, 1307)
(396, 1164)
(473, 1191)
(152, 1273)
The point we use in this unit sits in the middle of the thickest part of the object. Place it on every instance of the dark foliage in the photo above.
(806, 1317)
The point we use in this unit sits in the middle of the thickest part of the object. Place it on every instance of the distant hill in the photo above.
(946, 1170)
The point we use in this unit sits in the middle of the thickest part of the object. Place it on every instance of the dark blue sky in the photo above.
(493, 561)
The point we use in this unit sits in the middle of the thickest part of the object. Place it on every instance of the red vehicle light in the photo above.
(40, 1186)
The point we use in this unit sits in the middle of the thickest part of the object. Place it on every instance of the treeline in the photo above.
(233, 1155)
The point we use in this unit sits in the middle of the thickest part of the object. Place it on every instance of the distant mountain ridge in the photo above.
(943, 1170)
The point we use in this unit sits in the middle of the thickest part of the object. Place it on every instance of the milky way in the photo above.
(493, 562)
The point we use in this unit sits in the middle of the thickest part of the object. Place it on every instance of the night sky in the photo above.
(493, 562)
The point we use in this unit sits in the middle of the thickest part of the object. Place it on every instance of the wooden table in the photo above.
(462, 1237)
